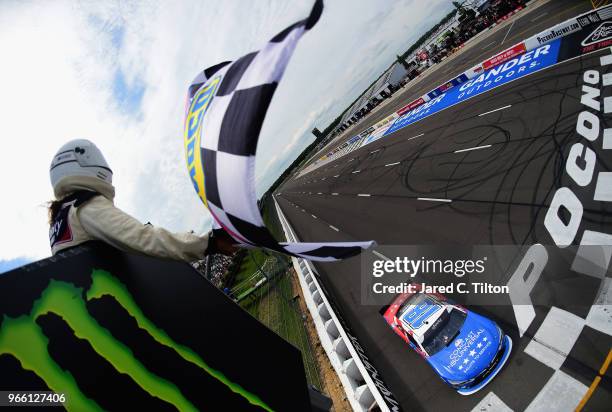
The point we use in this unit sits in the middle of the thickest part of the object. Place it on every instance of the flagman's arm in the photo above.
(103, 221)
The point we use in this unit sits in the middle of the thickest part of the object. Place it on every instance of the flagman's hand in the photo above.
(220, 242)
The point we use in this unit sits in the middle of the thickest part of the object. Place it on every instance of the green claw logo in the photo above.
(66, 300)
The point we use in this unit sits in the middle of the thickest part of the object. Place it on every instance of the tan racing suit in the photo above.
(88, 213)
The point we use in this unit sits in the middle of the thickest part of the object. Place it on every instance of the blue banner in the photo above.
(462, 78)
(518, 67)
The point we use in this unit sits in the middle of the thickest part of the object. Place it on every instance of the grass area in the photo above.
(250, 264)
(273, 305)
(271, 221)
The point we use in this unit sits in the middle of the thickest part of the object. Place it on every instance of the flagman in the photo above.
(84, 210)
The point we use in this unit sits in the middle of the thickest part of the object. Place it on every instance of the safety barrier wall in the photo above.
(546, 36)
(346, 356)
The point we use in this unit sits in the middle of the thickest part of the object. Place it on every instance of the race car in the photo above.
(465, 349)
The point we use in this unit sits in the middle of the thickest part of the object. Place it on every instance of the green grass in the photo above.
(271, 221)
(274, 306)
(249, 266)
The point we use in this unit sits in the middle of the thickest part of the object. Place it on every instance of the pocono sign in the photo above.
(588, 178)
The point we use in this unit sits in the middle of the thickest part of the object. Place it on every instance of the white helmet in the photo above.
(79, 157)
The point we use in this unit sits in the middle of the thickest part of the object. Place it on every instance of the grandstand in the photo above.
(381, 89)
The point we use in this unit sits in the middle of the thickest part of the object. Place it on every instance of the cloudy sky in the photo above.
(116, 72)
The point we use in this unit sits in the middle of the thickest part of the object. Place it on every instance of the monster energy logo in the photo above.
(22, 338)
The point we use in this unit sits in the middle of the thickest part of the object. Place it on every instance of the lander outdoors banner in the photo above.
(115, 331)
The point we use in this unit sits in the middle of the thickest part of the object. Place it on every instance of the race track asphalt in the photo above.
(497, 195)
(530, 21)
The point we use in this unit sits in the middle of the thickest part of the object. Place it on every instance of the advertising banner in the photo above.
(474, 71)
(386, 121)
(513, 69)
(462, 78)
(504, 56)
(411, 106)
(592, 37)
(378, 133)
(589, 18)
(555, 32)
(604, 13)
(595, 16)
(107, 330)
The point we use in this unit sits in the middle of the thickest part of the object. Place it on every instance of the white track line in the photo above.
(432, 199)
(364, 194)
(319, 193)
(472, 148)
(606, 58)
(495, 110)
(313, 216)
(356, 171)
(392, 164)
(508, 32)
(414, 137)
(541, 15)
(336, 175)
(487, 45)
(380, 255)
(377, 150)
(335, 228)
(334, 194)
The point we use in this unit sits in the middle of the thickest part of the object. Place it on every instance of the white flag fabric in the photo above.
(226, 107)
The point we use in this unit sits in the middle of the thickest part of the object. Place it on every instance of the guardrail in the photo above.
(548, 35)
(360, 380)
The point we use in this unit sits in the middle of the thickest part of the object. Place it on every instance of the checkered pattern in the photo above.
(228, 141)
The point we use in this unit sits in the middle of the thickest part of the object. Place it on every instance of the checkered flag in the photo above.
(227, 104)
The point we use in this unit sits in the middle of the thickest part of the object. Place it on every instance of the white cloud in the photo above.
(60, 60)
(353, 43)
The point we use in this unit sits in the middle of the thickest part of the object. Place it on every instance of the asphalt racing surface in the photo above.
(527, 22)
(481, 172)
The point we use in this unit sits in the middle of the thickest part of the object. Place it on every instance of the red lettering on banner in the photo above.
(411, 106)
(445, 87)
(504, 56)
(597, 46)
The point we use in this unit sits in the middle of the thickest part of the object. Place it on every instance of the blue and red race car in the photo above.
(466, 350)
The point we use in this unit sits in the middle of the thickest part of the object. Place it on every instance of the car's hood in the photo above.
(471, 351)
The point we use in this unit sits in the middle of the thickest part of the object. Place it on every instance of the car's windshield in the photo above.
(443, 331)
(418, 309)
